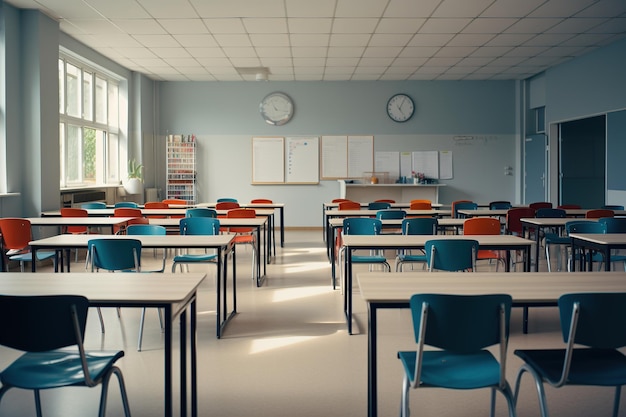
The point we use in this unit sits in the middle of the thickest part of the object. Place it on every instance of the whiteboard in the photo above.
(360, 155)
(268, 160)
(427, 163)
(302, 162)
(334, 157)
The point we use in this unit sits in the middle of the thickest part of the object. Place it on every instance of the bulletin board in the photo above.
(346, 156)
(279, 160)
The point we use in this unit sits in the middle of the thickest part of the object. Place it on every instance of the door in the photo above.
(582, 145)
(535, 157)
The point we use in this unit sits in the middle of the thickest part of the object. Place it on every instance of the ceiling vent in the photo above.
(256, 73)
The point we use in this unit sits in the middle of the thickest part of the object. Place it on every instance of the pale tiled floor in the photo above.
(287, 352)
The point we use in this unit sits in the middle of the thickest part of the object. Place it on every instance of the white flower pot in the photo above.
(133, 186)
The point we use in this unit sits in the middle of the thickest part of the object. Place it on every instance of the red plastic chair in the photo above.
(16, 234)
(175, 202)
(599, 213)
(261, 201)
(74, 230)
(244, 235)
(156, 205)
(127, 212)
(485, 226)
(540, 204)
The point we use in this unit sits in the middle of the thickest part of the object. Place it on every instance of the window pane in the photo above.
(62, 151)
(112, 146)
(72, 154)
(113, 105)
(61, 87)
(89, 155)
(87, 96)
(101, 100)
(73, 86)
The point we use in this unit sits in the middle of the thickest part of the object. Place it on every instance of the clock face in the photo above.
(276, 109)
(400, 108)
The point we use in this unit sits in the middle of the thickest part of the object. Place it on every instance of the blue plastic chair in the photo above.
(197, 226)
(390, 214)
(364, 226)
(415, 226)
(615, 225)
(553, 237)
(612, 207)
(378, 205)
(43, 327)
(227, 200)
(500, 205)
(585, 226)
(95, 205)
(200, 212)
(127, 204)
(594, 322)
(113, 255)
(451, 254)
(461, 328)
(463, 205)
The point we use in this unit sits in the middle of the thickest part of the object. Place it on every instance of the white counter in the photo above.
(398, 192)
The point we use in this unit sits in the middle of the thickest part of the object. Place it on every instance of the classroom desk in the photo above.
(537, 224)
(603, 242)
(257, 223)
(220, 243)
(502, 212)
(336, 213)
(174, 293)
(272, 206)
(60, 222)
(382, 290)
(382, 242)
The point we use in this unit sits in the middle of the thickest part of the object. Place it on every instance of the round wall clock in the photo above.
(276, 108)
(400, 108)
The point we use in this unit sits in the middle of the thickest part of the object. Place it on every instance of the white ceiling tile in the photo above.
(309, 39)
(419, 51)
(532, 25)
(309, 25)
(360, 8)
(186, 65)
(139, 26)
(489, 25)
(228, 40)
(443, 25)
(403, 8)
(119, 9)
(575, 25)
(509, 39)
(69, 9)
(611, 26)
(275, 63)
(491, 51)
(308, 8)
(307, 52)
(150, 62)
(183, 26)
(240, 8)
(548, 39)
(354, 25)
(265, 25)
(461, 8)
(196, 41)
(167, 9)
(342, 61)
(309, 62)
(399, 25)
(511, 8)
(239, 52)
(410, 62)
(206, 52)
(527, 51)
(245, 62)
(274, 52)
(171, 52)
(270, 40)
(470, 39)
(214, 62)
(604, 8)
(376, 61)
(225, 25)
(455, 51)
(438, 62)
(383, 39)
(341, 51)
(431, 39)
(561, 8)
(349, 39)
(136, 53)
(340, 70)
(157, 40)
(475, 61)
(96, 26)
(379, 51)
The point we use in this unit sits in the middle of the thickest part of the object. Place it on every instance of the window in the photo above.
(89, 125)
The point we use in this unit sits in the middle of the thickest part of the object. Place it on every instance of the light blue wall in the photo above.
(225, 116)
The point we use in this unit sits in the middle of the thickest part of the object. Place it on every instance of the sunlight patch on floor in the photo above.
(264, 345)
(305, 267)
(289, 294)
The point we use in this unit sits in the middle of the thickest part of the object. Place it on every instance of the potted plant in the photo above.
(134, 185)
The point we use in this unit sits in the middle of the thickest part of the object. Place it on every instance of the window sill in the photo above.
(2, 195)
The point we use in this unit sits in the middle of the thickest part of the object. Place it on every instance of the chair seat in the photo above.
(195, 258)
(411, 258)
(361, 259)
(463, 371)
(601, 367)
(57, 368)
(27, 257)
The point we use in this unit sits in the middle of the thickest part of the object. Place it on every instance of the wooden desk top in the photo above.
(253, 222)
(148, 212)
(417, 241)
(553, 221)
(77, 221)
(147, 241)
(601, 238)
(364, 212)
(445, 222)
(106, 288)
(524, 287)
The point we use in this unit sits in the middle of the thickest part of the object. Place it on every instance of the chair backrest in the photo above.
(156, 205)
(127, 212)
(551, 212)
(378, 205)
(453, 208)
(451, 254)
(130, 204)
(16, 233)
(421, 200)
(241, 213)
(596, 320)
(226, 205)
(599, 213)
(349, 205)
(43, 322)
(175, 202)
(540, 204)
(420, 205)
(570, 206)
(385, 200)
(94, 205)
(361, 226)
(419, 226)
(500, 205)
(74, 212)
(614, 224)
(199, 226)
(115, 254)
(200, 212)
(613, 207)
(461, 323)
(146, 229)
(582, 226)
(482, 226)
(227, 200)
(261, 201)
(513, 216)
(390, 214)
(463, 205)
(339, 200)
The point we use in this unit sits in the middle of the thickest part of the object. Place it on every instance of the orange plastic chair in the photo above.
(74, 212)
(420, 205)
(349, 205)
(485, 226)
(127, 212)
(156, 205)
(599, 213)
(261, 201)
(16, 233)
(339, 200)
(244, 235)
(176, 202)
(385, 201)
(226, 205)
(421, 201)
